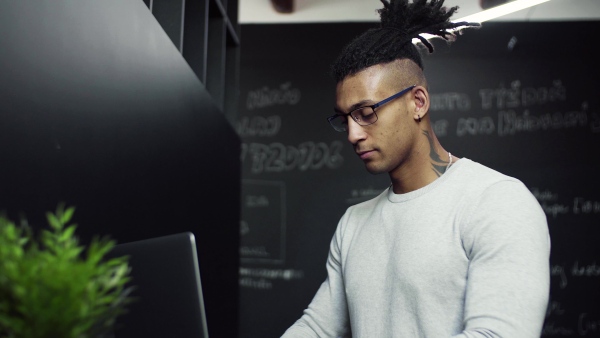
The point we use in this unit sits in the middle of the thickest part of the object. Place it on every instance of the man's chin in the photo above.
(373, 169)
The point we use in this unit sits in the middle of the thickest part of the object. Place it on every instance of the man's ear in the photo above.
(420, 98)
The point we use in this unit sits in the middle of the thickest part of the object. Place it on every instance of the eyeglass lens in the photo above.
(363, 116)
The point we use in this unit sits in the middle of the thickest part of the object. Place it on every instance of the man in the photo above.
(451, 248)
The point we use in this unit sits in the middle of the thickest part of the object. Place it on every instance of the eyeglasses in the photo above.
(364, 116)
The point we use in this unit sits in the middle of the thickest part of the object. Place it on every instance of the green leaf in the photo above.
(53, 221)
(68, 233)
(67, 215)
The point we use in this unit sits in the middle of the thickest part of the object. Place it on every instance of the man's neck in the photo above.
(426, 164)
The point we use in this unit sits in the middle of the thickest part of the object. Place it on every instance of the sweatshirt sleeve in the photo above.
(506, 240)
(327, 314)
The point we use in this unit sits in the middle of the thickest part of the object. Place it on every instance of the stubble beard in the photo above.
(373, 169)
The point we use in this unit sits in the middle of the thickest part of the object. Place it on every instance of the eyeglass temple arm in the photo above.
(393, 97)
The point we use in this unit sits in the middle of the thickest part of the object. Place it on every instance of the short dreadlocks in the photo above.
(401, 21)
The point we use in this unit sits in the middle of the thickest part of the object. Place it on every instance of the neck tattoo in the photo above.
(449, 161)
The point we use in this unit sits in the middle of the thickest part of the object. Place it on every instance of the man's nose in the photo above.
(355, 131)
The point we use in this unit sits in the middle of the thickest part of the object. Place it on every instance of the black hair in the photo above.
(401, 21)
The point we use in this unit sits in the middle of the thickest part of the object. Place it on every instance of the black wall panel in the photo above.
(99, 109)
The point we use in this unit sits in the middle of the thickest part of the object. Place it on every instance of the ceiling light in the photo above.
(492, 13)
(501, 10)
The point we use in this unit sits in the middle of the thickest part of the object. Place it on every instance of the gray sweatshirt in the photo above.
(466, 256)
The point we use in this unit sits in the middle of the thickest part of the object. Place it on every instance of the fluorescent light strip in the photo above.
(492, 13)
(501, 10)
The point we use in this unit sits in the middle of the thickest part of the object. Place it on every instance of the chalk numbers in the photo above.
(277, 157)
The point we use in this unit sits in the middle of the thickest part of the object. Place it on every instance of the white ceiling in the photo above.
(261, 11)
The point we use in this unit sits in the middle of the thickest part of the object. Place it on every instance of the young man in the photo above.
(451, 248)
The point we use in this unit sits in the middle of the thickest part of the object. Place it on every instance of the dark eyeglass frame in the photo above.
(331, 118)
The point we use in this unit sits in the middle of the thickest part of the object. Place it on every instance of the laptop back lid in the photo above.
(166, 276)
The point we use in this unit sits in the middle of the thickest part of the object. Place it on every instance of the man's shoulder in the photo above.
(480, 176)
(477, 180)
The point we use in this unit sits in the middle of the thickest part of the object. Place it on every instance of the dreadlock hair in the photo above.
(401, 21)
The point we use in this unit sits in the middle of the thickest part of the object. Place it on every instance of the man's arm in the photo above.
(507, 242)
(327, 314)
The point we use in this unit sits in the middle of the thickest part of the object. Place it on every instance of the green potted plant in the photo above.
(53, 287)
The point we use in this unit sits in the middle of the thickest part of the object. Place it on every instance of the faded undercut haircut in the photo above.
(401, 22)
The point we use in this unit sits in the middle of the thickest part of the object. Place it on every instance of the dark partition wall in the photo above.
(521, 98)
(100, 110)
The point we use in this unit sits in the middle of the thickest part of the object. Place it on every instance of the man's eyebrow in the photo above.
(363, 103)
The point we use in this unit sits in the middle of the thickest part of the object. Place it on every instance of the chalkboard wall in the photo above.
(522, 98)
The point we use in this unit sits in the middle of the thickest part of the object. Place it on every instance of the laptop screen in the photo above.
(168, 291)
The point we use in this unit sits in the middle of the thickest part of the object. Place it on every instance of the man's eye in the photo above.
(366, 114)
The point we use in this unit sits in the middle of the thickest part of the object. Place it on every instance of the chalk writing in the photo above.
(258, 126)
(577, 270)
(263, 212)
(517, 96)
(369, 192)
(244, 228)
(554, 308)
(266, 97)
(362, 194)
(255, 251)
(588, 325)
(440, 127)
(583, 323)
(551, 329)
(285, 274)
(509, 122)
(548, 202)
(583, 206)
(262, 278)
(543, 195)
(555, 209)
(253, 201)
(450, 101)
(475, 126)
(260, 284)
(590, 270)
(559, 270)
(277, 157)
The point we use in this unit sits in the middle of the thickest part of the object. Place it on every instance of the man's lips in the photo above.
(365, 154)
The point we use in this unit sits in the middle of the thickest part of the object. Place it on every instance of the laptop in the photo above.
(168, 290)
